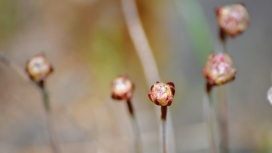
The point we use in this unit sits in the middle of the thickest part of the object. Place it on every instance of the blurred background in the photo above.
(88, 43)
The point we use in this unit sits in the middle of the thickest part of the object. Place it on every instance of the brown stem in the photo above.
(163, 118)
(222, 38)
(130, 108)
(163, 113)
(49, 119)
(138, 148)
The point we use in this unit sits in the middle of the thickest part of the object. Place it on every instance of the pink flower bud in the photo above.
(219, 69)
(122, 88)
(162, 93)
(38, 68)
(232, 19)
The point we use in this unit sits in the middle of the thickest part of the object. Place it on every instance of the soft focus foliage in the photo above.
(88, 44)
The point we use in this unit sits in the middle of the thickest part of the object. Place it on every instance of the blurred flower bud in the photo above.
(232, 19)
(122, 88)
(219, 69)
(162, 93)
(38, 68)
(269, 95)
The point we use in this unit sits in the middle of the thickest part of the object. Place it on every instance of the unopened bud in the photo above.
(122, 88)
(38, 68)
(219, 69)
(232, 19)
(162, 93)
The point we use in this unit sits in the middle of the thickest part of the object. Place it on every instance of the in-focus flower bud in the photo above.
(162, 93)
(219, 69)
(38, 68)
(232, 19)
(269, 95)
(122, 88)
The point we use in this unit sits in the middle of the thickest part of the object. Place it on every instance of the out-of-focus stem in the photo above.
(209, 109)
(49, 119)
(223, 39)
(139, 39)
(138, 148)
(144, 51)
(223, 121)
(5, 60)
(223, 114)
(163, 120)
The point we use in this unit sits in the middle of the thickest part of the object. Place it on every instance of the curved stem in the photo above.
(138, 148)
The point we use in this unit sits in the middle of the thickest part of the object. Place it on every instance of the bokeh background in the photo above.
(88, 43)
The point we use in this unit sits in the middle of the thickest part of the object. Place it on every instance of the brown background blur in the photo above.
(88, 43)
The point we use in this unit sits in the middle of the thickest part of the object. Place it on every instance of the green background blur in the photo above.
(88, 43)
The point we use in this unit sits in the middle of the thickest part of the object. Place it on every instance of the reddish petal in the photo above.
(150, 96)
(151, 87)
(114, 96)
(173, 91)
(156, 102)
(169, 102)
(171, 84)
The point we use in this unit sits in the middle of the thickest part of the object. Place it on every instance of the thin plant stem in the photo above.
(144, 51)
(14, 66)
(163, 120)
(9, 63)
(138, 148)
(223, 121)
(223, 39)
(49, 119)
(209, 109)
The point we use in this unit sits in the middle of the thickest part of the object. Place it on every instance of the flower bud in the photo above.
(219, 69)
(162, 93)
(232, 19)
(122, 88)
(38, 68)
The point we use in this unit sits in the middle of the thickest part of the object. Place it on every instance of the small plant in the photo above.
(217, 71)
(232, 20)
(38, 69)
(162, 94)
(122, 89)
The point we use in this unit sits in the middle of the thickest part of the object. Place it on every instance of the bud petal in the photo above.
(232, 19)
(122, 88)
(38, 68)
(219, 69)
(162, 93)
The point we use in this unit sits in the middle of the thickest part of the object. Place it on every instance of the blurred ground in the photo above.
(88, 43)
